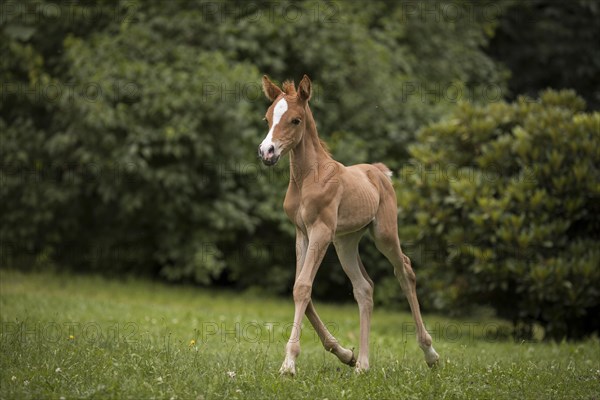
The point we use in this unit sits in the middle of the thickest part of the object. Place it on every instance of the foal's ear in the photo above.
(304, 88)
(271, 90)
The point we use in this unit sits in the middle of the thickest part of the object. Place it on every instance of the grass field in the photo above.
(88, 337)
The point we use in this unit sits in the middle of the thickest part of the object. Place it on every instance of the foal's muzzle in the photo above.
(268, 156)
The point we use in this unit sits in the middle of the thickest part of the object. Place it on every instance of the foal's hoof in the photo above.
(431, 357)
(360, 369)
(352, 361)
(287, 373)
(288, 368)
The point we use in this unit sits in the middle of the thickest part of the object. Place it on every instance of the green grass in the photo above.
(132, 339)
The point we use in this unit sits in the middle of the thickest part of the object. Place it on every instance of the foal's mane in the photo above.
(289, 88)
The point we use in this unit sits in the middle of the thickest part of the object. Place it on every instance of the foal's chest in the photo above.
(303, 211)
(292, 208)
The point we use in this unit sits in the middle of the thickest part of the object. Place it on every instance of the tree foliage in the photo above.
(129, 130)
(549, 43)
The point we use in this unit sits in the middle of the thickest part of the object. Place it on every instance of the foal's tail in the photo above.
(382, 167)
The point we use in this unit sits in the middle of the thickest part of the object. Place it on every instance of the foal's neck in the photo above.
(309, 155)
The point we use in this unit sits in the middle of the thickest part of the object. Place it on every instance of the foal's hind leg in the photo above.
(347, 250)
(385, 234)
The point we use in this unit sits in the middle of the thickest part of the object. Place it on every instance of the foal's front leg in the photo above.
(318, 242)
(329, 342)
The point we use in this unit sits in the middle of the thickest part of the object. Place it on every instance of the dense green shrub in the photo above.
(504, 201)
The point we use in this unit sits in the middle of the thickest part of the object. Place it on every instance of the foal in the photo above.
(331, 203)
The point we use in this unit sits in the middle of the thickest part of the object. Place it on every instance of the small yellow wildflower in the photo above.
(192, 342)
(71, 337)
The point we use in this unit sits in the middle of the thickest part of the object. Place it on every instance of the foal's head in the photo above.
(286, 118)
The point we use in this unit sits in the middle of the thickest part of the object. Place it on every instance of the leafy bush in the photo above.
(505, 202)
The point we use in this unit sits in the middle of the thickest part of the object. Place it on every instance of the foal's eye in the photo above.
(266, 120)
(296, 121)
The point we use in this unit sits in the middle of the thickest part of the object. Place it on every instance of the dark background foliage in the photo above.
(550, 44)
(128, 136)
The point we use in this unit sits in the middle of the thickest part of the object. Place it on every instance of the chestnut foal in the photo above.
(331, 203)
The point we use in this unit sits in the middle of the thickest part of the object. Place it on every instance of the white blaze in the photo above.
(280, 109)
